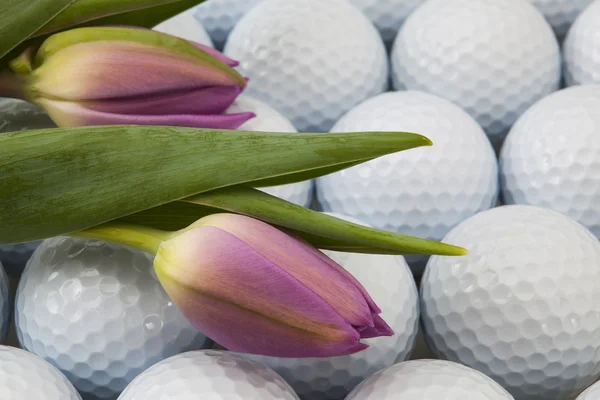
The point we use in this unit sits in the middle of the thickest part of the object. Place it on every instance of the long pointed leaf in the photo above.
(142, 13)
(321, 230)
(57, 181)
(19, 19)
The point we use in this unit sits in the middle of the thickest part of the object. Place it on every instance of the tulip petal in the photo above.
(112, 69)
(70, 114)
(246, 303)
(217, 54)
(305, 263)
(210, 100)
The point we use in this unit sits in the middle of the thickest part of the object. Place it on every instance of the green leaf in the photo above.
(57, 181)
(19, 19)
(321, 230)
(143, 13)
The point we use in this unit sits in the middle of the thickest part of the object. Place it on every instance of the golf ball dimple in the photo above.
(185, 26)
(523, 307)
(551, 157)
(25, 376)
(422, 192)
(220, 16)
(311, 60)
(389, 281)
(493, 58)
(97, 312)
(581, 48)
(269, 120)
(429, 380)
(209, 374)
(561, 13)
(591, 393)
(387, 15)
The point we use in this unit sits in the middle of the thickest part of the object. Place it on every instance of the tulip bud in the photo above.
(130, 76)
(254, 289)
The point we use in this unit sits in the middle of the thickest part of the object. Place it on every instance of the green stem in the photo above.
(136, 236)
(11, 86)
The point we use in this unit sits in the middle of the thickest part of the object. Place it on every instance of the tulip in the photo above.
(130, 76)
(254, 289)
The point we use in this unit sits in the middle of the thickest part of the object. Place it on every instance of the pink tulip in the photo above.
(254, 289)
(129, 76)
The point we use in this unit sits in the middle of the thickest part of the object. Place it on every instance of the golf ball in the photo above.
(493, 58)
(311, 60)
(551, 157)
(269, 120)
(25, 376)
(220, 16)
(185, 26)
(523, 307)
(581, 48)
(389, 281)
(209, 374)
(422, 192)
(429, 380)
(591, 393)
(97, 312)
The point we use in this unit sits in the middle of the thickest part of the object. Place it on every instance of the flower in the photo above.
(130, 76)
(254, 289)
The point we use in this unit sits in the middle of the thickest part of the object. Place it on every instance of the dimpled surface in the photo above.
(493, 58)
(561, 13)
(17, 115)
(220, 16)
(311, 60)
(187, 27)
(523, 307)
(429, 380)
(551, 157)
(389, 282)
(387, 15)
(269, 120)
(25, 376)
(208, 375)
(591, 393)
(98, 313)
(5, 308)
(422, 192)
(581, 48)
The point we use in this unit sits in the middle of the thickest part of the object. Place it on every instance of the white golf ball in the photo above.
(97, 312)
(523, 307)
(209, 374)
(429, 380)
(185, 26)
(581, 48)
(387, 15)
(422, 192)
(25, 376)
(220, 16)
(493, 58)
(561, 13)
(391, 285)
(311, 60)
(591, 393)
(269, 120)
(18, 115)
(551, 157)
